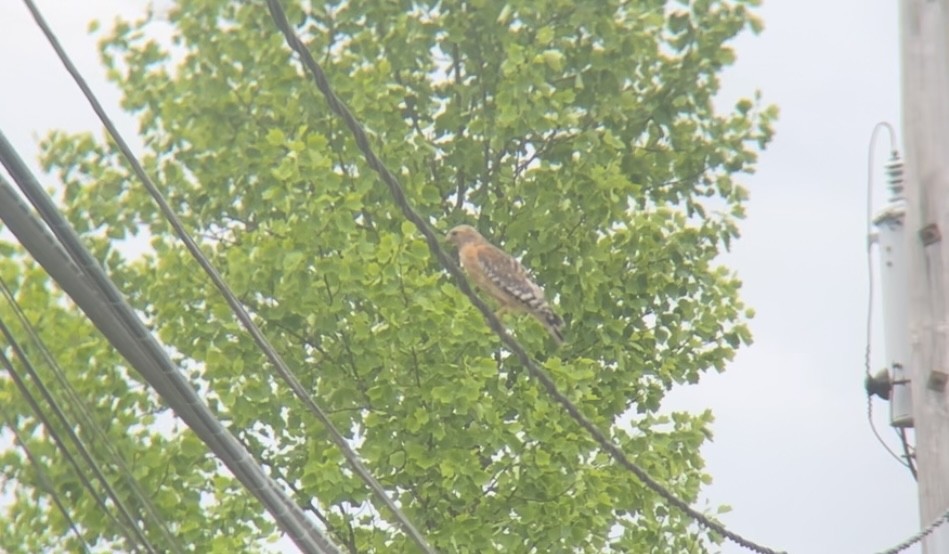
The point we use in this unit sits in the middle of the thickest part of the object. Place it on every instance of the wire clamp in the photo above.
(930, 234)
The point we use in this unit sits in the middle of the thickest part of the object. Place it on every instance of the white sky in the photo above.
(793, 454)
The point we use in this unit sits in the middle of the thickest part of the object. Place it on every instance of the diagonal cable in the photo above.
(88, 422)
(907, 452)
(135, 538)
(281, 367)
(939, 522)
(43, 479)
(73, 267)
(73, 437)
(395, 189)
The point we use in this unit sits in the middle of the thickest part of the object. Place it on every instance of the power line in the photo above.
(43, 479)
(493, 322)
(135, 542)
(77, 442)
(905, 463)
(81, 277)
(307, 501)
(88, 421)
(940, 521)
(907, 451)
(237, 308)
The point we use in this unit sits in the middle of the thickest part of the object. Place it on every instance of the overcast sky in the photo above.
(793, 453)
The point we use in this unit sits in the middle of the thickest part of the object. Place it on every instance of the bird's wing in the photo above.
(508, 275)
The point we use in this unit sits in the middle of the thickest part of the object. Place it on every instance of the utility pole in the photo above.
(924, 30)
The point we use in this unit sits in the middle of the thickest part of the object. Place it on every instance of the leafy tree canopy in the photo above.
(579, 134)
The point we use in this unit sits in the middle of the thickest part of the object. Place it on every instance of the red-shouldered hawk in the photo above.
(504, 278)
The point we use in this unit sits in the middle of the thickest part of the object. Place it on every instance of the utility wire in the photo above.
(43, 479)
(282, 368)
(77, 442)
(907, 451)
(305, 501)
(75, 270)
(88, 421)
(940, 521)
(398, 194)
(134, 538)
(876, 433)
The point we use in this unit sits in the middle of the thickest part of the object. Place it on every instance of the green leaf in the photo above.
(292, 261)
(275, 137)
(553, 59)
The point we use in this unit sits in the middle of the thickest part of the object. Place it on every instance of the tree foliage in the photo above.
(582, 135)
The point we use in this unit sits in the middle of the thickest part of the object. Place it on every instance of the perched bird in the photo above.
(504, 278)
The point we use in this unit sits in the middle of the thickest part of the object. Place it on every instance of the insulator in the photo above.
(894, 174)
(879, 385)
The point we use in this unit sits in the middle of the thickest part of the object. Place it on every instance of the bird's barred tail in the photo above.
(552, 322)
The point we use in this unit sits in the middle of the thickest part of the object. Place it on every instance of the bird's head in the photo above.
(463, 234)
